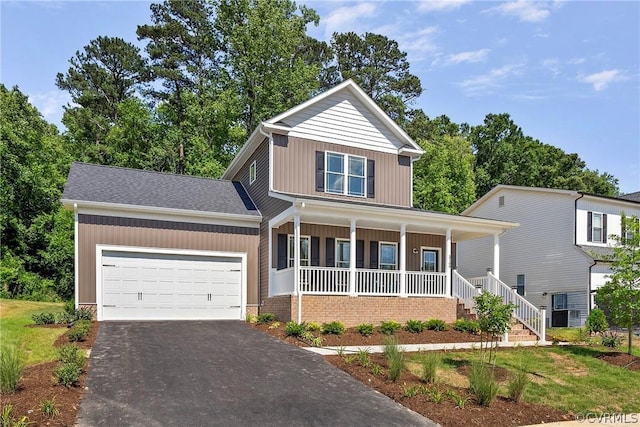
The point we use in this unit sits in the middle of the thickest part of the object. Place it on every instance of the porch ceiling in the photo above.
(392, 218)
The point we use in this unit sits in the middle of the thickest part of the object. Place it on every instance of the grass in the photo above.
(569, 378)
(573, 335)
(35, 344)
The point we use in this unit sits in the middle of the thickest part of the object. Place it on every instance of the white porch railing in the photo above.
(377, 282)
(426, 284)
(324, 280)
(463, 289)
(479, 282)
(525, 312)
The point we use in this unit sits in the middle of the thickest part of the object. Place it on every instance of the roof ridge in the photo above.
(151, 171)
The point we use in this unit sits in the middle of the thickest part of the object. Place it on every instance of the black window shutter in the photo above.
(282, 251)
(359, 253)
(320, 171)
(315, 251)
(331, 252)
(604, 228)
(371, 178)
(589, 226)
(373, 255)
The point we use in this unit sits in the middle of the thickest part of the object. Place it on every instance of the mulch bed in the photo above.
(501, 412)
(352, 337)
(37, 385)
(624, 360)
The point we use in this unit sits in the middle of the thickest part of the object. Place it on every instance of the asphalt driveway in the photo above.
(222, 373)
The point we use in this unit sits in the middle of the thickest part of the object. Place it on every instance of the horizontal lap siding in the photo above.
(145, 235)
(294, 171)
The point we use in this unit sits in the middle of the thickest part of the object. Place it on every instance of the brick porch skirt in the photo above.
(353, 311)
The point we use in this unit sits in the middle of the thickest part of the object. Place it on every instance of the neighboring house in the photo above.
(557, 256)
(313, 220)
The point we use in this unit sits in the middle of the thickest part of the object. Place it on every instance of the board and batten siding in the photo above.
(541, 248)
(612, 208)
(94, 229)
(294, 161)
(343, 119)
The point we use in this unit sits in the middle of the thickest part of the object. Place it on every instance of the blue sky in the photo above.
(568, 72)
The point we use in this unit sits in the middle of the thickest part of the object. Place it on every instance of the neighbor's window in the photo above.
(345, 174)
(343, 253)
(252, 172)
(560, 302)
(388, 256)
(520, 284)
(305, 250)
(596, 228)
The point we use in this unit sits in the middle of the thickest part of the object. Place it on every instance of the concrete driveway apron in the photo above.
(222, 373)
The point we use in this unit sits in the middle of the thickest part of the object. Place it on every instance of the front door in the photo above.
(429, 260)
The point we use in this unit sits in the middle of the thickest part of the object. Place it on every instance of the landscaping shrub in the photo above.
(67, 374)
(389, 327)
(415, 326)
(64, 317)
(295, 329)
(468, 326)
(517, 385)
(45, 318)
(611, 339)
(334, 328)
(364, 356)
(10, 369)
(71, 353)
(430, 364)
(436, 325)
(365, 329)
(49, 409)
(596, 322)
(250, 318)
(394, 354)
(313, 327)
(84, 314)
(79, 331)
(266, 318)
(483, 383)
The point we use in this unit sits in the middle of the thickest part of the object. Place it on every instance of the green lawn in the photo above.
(36, 344)
(569, 378)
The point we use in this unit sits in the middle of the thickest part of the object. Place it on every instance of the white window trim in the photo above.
(593, 215)
(345, 174)
(336, 261)
(253, 172)
(290, 256)
(380, 244)
(438, 258)
(566, 299)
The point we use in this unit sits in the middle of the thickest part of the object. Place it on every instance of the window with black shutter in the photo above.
(373, 255)
(282, 251)
(330, 252)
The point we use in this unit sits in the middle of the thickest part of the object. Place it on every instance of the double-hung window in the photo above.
(343, 253)
(305, 250)
(559, 301)
(430, 260)
(520, 284)
(596, 227)
(388, 256)
(345, 174)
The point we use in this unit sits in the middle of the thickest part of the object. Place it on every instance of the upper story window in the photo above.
(345, 174)
(252, 172)
(596, 227)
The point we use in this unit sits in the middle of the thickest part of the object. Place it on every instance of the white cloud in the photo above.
(488, 82)
(524, 10)
(553, 65)
(601, 80)
(50, 104)
(418, 42)
(438, 5)
(577, 61)
(468, 57)
(344, 18)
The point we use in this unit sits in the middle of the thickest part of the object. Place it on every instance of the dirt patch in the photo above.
(624, 360)
(352, 337)
(502, 412)
(37, 385)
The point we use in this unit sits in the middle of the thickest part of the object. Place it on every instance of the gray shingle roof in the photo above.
(598, 253)
(635, 197)
(105, 184)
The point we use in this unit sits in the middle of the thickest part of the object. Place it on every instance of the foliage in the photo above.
(494, 320)
(469, 326)
(44, 318)
(483, 383)
(395, 356)
(620, 296)
(266, 318)
(435, 325)
(364, 356)
(67, 374)
(459, 401)
(596, 321)
(7, 419)
(71, 354)
(335, 328)
(295, 329)
(435, 394)
(611, 339)
(415, 326)
(250, 318)
(389, 327)
(365, 329)
(517, 385)
(430, 363)
(83, 313)
(49, 409)
(313, 326)
(376, 369)
(79, 331)
(316, 341)
(11, 366)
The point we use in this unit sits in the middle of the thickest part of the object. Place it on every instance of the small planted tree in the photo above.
(620, 296)
(494, 320)
(596, 322)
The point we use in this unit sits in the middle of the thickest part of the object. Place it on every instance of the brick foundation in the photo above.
(353, 311)
(252, 310)
(92, 307)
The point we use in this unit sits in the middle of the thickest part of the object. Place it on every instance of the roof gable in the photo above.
(114, 186)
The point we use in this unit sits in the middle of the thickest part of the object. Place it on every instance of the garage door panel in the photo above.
(165, 286)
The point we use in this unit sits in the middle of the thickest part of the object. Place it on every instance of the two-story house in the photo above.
(312, 220)
(557, 257)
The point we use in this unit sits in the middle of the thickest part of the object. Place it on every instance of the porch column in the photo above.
(403, 260)
(447, 263)
(496, 261)
(352, 259)
(296, 254)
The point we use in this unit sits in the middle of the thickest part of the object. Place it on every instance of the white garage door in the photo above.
(158, 286)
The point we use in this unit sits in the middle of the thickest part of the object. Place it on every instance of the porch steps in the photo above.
(463, 312)
(520, 332)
